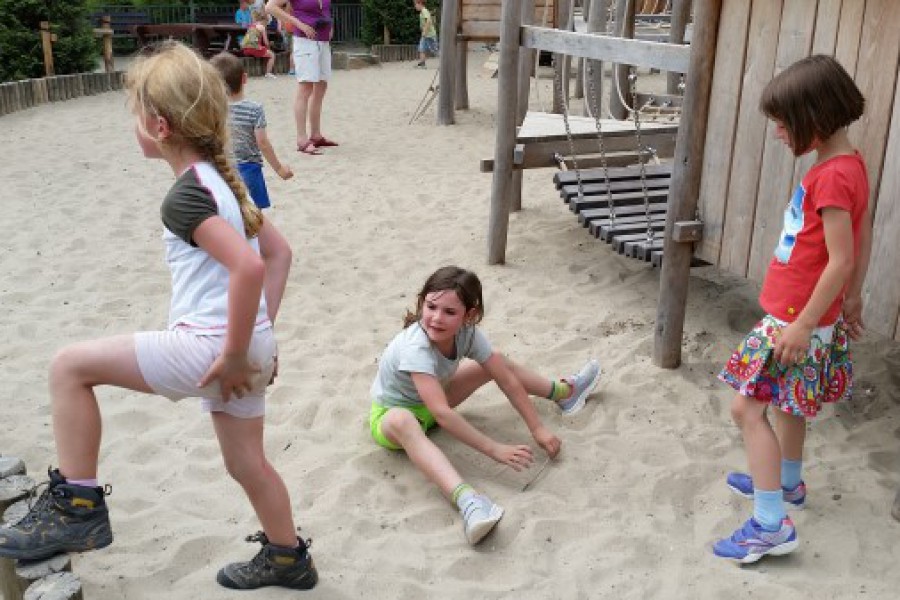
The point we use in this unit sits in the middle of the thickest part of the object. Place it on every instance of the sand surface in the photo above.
(630, 508)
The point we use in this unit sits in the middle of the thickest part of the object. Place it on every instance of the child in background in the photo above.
(255, 42)
(428, 43)
(797, 357)
(422, 377)
(242, 14)
(249, 139)
(229, 268)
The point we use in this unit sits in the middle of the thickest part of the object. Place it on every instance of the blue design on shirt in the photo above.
(793, 223)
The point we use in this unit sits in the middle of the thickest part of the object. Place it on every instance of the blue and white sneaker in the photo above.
(751, 542)
(742, 485)
(583, 383)
(480, 516)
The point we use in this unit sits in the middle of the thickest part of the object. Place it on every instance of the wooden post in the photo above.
(57, 586)
(685, 187)
(106, 26)
(447, 77)
(526, 64)
(895, 510)
(462, 75)
(594, 68)
(507, 108)
(561, 64)
(619, 79)
(47, 40)
(27, 572)
(681, 12)
(12, 489)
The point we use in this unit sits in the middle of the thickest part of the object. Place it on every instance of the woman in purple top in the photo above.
(310, 23)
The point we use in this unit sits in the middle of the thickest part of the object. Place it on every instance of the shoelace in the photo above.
(262, 538)
(38, 505)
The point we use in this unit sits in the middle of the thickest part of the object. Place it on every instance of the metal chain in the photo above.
(557, 75)
(636, 115)
(595, 109)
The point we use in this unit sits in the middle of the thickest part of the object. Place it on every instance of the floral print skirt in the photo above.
(798, 389)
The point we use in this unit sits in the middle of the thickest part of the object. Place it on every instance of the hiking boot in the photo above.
(64, 518)
(583, 383)
(742, 485)
(480, 516)
(751, 542)
(272, 565)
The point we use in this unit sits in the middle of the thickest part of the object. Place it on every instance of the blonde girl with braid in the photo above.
(229, 268)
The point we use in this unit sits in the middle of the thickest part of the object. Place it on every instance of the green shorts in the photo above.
(376, 414)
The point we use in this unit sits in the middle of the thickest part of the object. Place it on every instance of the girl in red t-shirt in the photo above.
(797, 357)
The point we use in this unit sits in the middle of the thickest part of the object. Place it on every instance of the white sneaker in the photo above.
(583, 383)
(271, 76)
(480, 516)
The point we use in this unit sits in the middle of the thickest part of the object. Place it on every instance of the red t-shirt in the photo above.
(801, 254)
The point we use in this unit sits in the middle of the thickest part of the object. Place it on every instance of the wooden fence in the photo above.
(748, 175)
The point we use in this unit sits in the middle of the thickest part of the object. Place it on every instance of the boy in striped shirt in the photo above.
(249, 139)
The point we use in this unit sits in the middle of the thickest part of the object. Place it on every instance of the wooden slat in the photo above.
(599, 189)
(828, 19)
(665, 57)
(479, 31)
(628, 225)
(847, 46)
(623, 198)
(881, 292)
(588, 217)
(615, 174)
(720, 134)
(777, 167)
(543, 154)
(876, 74)
(544, 127)
(749, 138)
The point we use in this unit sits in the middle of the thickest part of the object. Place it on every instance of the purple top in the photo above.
(316, 13)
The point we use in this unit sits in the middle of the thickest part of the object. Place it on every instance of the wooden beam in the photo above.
(656, 55)
(685, 189)
(507, 108)
(448, 57)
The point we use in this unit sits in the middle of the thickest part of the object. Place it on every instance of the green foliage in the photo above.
(21, 55)
(400, 18)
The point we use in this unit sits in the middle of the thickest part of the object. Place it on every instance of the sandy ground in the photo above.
(629, 509)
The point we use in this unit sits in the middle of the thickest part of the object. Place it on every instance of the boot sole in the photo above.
(93, 543)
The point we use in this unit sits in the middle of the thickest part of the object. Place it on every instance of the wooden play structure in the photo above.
(724, 206)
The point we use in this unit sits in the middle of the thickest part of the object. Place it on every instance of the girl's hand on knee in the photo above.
(516, 456)
(547, 440)
(235, 373)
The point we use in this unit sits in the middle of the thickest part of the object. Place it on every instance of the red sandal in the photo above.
(323, 142)
(308, 147)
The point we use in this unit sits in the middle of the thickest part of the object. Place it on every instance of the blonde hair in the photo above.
(173, 82)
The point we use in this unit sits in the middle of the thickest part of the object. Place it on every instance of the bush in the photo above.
(399, 16)
(21, 55)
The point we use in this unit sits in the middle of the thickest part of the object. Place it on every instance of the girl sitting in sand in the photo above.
(422, 377)
(796, 358)
(229, 268)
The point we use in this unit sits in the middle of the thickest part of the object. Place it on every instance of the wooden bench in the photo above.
(207, 38)
(122, 22)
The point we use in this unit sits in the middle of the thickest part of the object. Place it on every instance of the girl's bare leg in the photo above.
(241, 441)
(763, 451)
(315, 108)
(401, 427)
(470, 376)
(74, 373)
(301, 109)
(791, 432)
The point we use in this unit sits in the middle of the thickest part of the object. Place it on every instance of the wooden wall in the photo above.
(748, 175)
(480, 19)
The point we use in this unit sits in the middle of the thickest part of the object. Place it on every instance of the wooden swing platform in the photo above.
(634, 220)
(542, 136)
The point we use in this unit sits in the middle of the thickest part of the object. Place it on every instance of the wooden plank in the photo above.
(628, 225)
(881, 292)
(541, 126)
(542, 154)
(720, 135)
(876, 74)
(849, 30)
(599, 189)
(828, 19)
(615, 174)
(624, 198)
(665, 57)
(749, 138)
(777, 167)
(480, 30)
(589, 218)
(481, 12)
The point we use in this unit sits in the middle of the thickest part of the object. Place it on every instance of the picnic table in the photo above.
(205, 37)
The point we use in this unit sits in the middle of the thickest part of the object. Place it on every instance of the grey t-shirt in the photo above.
(412, 352)
(246, 116)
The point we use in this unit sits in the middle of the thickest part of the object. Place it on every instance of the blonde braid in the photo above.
(252, 216)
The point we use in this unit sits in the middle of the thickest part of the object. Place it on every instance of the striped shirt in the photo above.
(245, 117)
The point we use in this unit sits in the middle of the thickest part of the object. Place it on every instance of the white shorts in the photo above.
(312, 60)
(172, 362)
